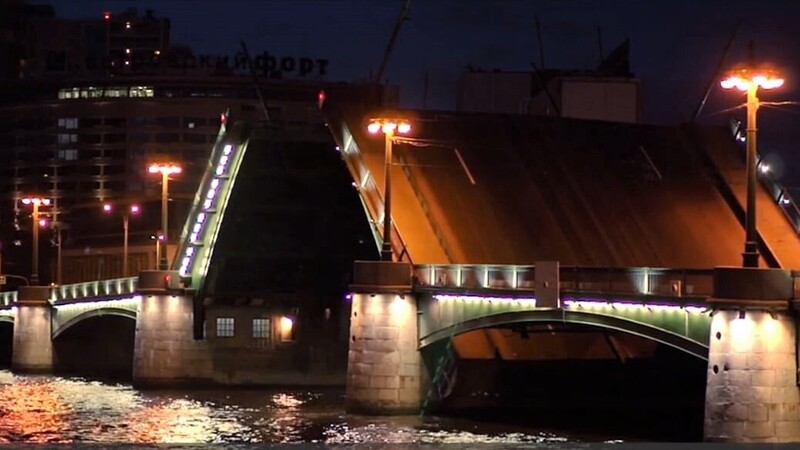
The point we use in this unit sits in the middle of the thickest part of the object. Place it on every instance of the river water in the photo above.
(61, 410)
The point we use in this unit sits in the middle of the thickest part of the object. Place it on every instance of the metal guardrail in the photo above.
(8, 298)
(610, 280)
(79, 291)
(784, 200)
(778, 192)
(371, 197)
(617, 280)
(93, 289)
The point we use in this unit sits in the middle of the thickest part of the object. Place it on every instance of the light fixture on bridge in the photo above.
(131, 208)
(749, 79)
(589, 303)
(478, 298)
(389, 126)
(35, 203)
(165, 169)
(159, 238)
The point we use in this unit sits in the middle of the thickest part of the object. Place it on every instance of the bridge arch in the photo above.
(6, 339)
(659, 335)
(107, 311)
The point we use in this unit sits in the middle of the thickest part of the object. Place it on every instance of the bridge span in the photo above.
(509, 231)
(665, 305)
(472, 189)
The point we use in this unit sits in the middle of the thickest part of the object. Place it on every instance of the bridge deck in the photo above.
(517, 189)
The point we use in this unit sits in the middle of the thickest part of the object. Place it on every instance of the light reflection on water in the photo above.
(52, 409)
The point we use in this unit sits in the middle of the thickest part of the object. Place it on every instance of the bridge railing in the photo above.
(785, 201)
(78, 291)
(777, 190)
(8, 298)
(619, 280)
(91, 289)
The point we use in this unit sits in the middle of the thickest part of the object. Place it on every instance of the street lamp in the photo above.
(749, 80)
(388, 126)
(158, 237)
(57, 227)
(35, 202)
(165, 170)
(126, 212)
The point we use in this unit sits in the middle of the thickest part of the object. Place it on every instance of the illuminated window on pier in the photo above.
(225, 327)
(261, 328)
(287, 329)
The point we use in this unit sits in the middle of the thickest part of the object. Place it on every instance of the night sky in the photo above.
(675, 45)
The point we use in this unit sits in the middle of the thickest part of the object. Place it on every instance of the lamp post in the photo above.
(158, 237)
(165, 170)
(57, 228)
(749, 80)
(126, 212)
(35, 202)
(388, 126)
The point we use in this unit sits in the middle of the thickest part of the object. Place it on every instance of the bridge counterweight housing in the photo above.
(165, 351)
(33, 346)
(384, 370)
(751, 387)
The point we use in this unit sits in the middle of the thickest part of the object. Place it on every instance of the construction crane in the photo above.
(715, 77)
(254, 74)
(400, 19)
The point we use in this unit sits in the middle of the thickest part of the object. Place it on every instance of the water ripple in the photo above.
(45, 409)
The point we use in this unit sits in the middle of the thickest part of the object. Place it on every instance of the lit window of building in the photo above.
(67, 138)
(69, 123)
(68, 155)
(287, 329)
(141, 91)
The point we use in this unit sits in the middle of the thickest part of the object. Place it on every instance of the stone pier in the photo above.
(33, 346)
(752, 392)
(165, 352)
(384, 367)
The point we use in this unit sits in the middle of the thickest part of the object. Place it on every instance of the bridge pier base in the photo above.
(384, 367)
(752, 392)
(165, 352)
(33, 346)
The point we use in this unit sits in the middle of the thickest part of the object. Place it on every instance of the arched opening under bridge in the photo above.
(6, 342)
(96, 344)
(586, 376)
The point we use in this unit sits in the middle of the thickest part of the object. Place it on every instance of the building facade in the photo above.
(87, 105)
(80, 124)
(609, 93)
